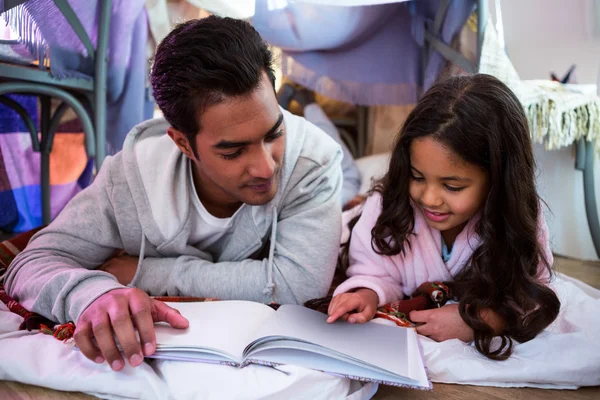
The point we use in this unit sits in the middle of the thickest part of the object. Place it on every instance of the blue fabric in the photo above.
(364, 55)
(12, 197)
(20, 190)
(9, 213)
(29, 208)
(11, 121)
(446, 254)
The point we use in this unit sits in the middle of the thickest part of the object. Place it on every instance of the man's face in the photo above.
(239, 149)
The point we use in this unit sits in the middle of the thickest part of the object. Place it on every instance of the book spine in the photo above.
(356, 378)
(380, 382)
(158, 356)
(259, 362)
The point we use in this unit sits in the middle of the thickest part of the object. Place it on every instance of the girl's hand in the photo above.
(442, 324)
(363, 302)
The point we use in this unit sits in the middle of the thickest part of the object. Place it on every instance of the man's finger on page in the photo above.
(104, 335)
(419, 316)
(120, 319)
(162, 312)
(83, 337)
(141, 311)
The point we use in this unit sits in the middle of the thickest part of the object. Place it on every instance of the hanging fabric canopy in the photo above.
(363, 52)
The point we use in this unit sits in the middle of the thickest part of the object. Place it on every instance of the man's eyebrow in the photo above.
(226, 144)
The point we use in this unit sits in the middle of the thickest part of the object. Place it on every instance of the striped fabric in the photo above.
(20, 189)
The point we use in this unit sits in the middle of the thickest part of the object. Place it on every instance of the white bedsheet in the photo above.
(39, 359)
(566, 355)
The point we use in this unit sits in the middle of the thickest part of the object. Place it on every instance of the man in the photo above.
(238, 200)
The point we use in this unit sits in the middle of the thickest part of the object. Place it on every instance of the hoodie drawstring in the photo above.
(140, 258)
(268, 290)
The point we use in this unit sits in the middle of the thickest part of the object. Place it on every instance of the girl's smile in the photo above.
(435, 216)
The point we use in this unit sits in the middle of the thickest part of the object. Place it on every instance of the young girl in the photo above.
(458, 204)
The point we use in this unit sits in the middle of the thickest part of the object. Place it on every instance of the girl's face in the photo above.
(446, 189)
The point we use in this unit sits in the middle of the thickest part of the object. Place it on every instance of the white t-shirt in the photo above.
(206, 228)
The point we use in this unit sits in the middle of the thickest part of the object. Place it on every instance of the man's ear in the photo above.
(182, 142)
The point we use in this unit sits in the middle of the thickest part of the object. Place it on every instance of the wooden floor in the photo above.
(20, 391)
(588, 272)
(463, 392)
(585, 271)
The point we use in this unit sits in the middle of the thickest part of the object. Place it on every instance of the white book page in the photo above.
(378, 345)
(308, 356)
(416, 363)
(222, 326)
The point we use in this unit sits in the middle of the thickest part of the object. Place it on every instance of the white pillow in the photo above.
(371, 168)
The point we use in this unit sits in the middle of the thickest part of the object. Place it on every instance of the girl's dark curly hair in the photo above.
(481, 120)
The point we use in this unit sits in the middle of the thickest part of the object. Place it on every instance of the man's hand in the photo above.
(117, 314)
(363, 302)
(442, 324)
(122, 266)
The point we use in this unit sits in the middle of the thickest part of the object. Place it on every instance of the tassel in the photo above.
(46, 330)
(22, 22)
(62, 332)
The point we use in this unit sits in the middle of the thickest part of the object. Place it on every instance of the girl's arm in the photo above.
(445, 323)
(367, 268)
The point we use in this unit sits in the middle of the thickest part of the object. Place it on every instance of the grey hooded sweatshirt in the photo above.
(284, 251)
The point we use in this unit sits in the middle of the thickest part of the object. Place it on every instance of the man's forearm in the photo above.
(55, 286)
(240, 280)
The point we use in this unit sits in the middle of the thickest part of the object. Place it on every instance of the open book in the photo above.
(239, 333)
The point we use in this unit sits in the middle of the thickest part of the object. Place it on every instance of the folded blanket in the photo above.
(557, 117)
